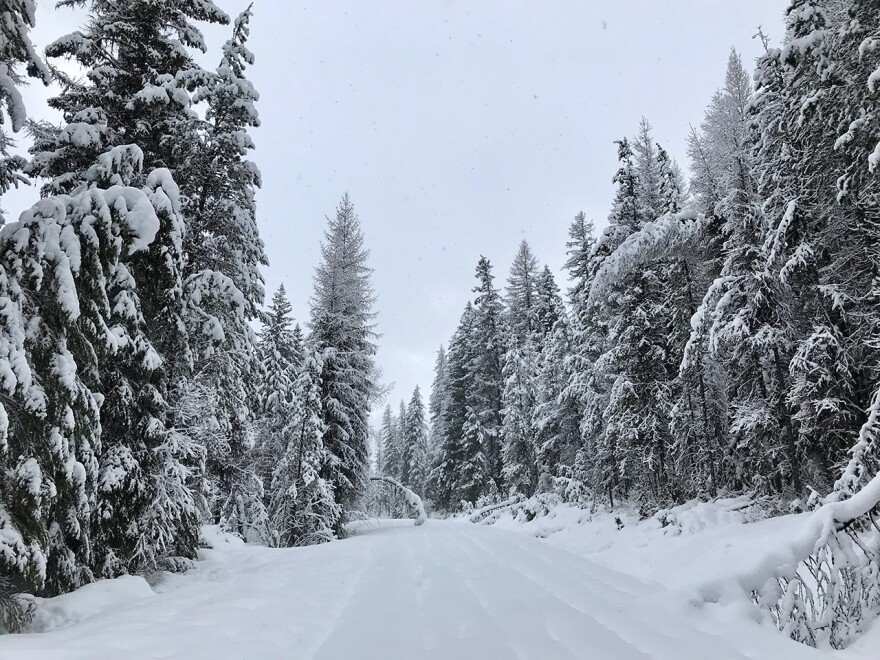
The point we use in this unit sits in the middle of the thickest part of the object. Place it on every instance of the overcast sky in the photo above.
(459, 129)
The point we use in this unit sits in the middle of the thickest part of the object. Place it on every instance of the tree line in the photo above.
(722, 334)
(136, 400)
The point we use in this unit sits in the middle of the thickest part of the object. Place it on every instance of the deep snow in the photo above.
(447, 589)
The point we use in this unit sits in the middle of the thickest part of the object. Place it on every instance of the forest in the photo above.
(720, 337)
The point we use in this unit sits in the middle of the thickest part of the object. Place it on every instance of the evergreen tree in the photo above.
(416, 439)
(520, 461)
(403, 448)
(485, 369)
(147, 464)
(579, 248)
(605, 384)
(521, 296)
(217, 178)
(133, 52)
(342, 329)
(438, 434)
(648, 173)
(390, 449)
(302, 504)
(280, 360)
(16, 20)
(91, 493)
(460, 472)
(556, 417)
(548, 306)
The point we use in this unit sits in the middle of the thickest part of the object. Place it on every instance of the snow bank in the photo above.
(704, 548)
(88, 601)
(722, 552)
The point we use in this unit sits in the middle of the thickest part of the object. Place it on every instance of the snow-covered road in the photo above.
(446, 590)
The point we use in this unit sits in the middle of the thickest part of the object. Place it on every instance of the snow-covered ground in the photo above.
(447, 589)
(703, 551)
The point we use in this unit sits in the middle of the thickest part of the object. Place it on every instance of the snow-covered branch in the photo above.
(417, 509)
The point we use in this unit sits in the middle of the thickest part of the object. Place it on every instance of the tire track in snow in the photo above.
(571, 630)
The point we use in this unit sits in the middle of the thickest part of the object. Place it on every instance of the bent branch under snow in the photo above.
(413, 501)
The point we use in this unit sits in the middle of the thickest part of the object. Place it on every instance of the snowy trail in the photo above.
(395, 591)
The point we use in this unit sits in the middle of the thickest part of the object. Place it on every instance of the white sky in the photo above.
(458, 128)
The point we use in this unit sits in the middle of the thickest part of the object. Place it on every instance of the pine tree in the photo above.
(403, 448)
(579, 248)
(416, 438)
(854, 275)
(93, 494)
(607, 385)
(16, 20)
(648, 173)
(134, 53)
(548, 306)
(302, 504)
(520, 460)
(390, 449)
(722, 164)
(146, 464)
(217, 178)
(438, 434)
(720, 153)
(521, 298)
(460, 472)
(486, 368)
(342, 328)
(280, 353)
(556, 417)
(223, 287)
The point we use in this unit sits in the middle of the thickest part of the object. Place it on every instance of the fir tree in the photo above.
(579, 248)
(437, 405)
(390, 450)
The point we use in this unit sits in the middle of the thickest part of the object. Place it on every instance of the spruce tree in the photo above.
(105, 491)
(579, 248)
(557, 417)
(390, 451)
(460, 471)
